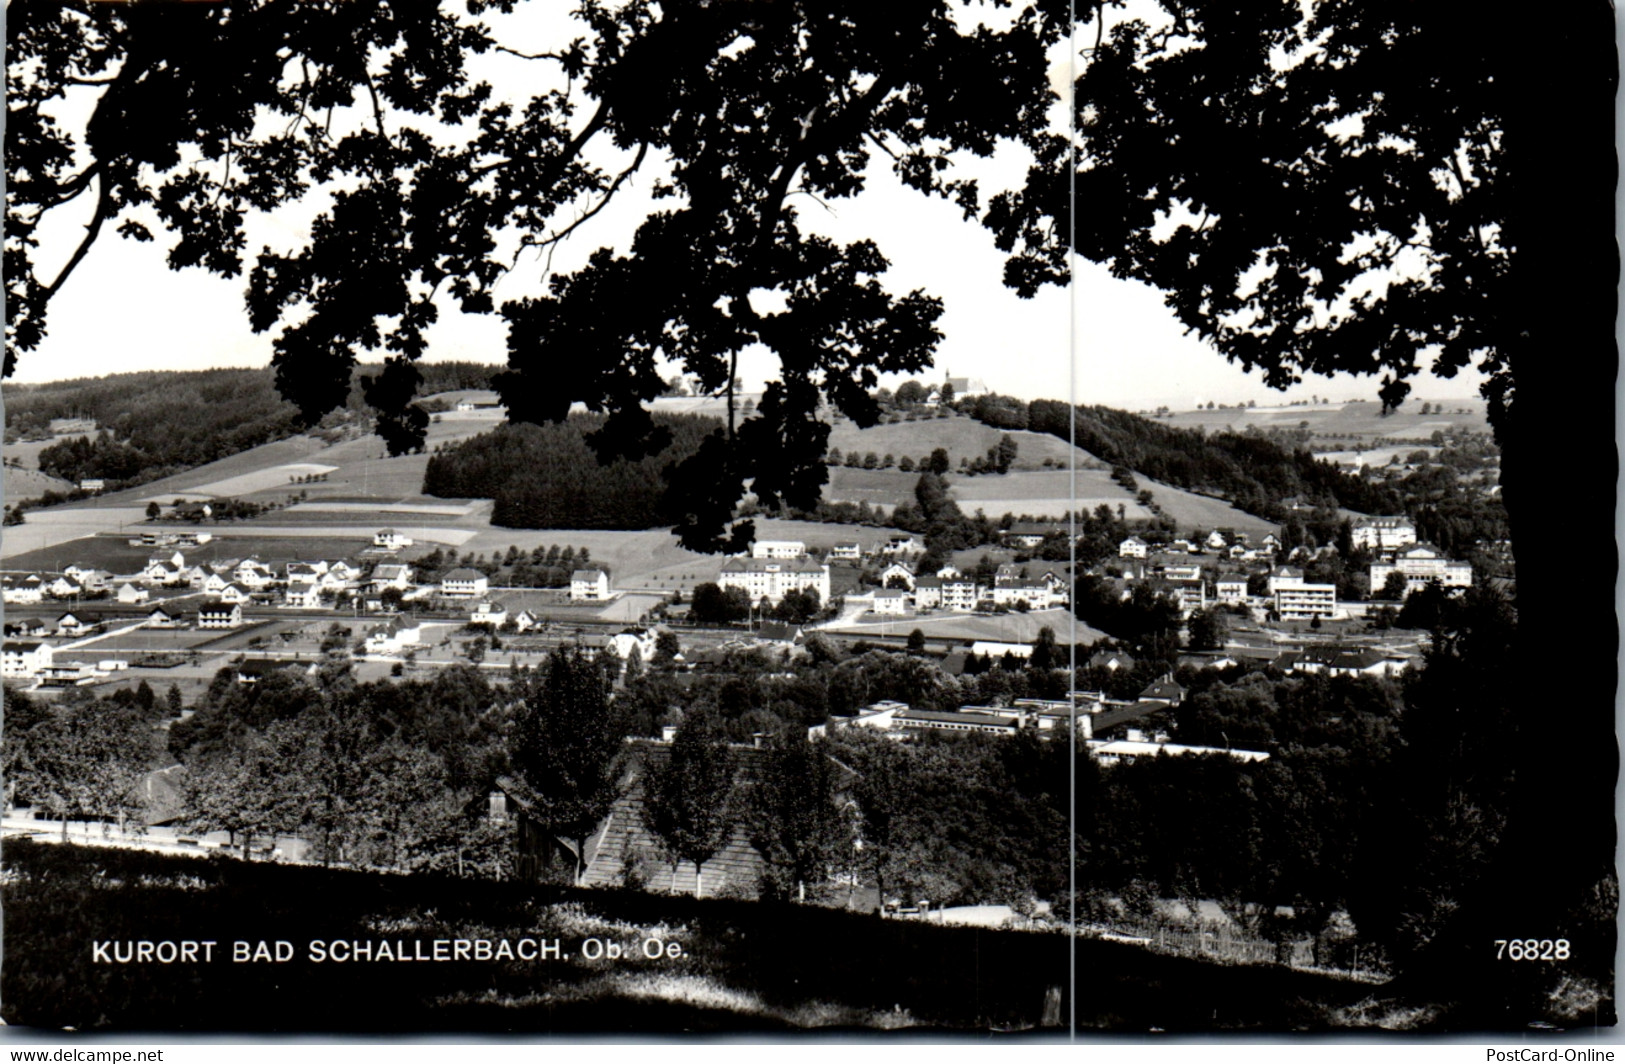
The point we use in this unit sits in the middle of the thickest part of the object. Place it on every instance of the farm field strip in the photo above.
(453, 536)
(437, 509)
(277, 476)
(1004, 627)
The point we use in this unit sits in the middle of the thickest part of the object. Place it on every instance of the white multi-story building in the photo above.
(219, 615)
(1384, 533)
(1296, 600)
(773, 578)
(1133, 547)
(24, 660)
(464, 583)
(777, 548)
(1231, 589)
(1420, 565)
(589, 585)
(960, 595)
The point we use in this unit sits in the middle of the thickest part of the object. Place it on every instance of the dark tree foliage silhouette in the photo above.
(545, 476)
(567, 746)
(793, 818)
(688, 799)
(1372, 188)
(746, 105)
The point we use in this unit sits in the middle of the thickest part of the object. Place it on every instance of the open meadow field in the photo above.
(877, 487)
(45, 532)
(1363, 420)
(22, 484)
(26, 452)
(961, 437)
(1042, 494)
(1001, 627)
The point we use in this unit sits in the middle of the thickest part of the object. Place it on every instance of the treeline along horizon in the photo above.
(546, 476)
(1256, 474)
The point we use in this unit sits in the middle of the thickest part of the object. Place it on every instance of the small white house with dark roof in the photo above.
(252, 574)
(1133, 547)
(130, 595)
(391, 575)
(29, 591)
(889, 601)
(589, 585)
(900, 573)
(302, 594)
(389, 539)
(78, 623)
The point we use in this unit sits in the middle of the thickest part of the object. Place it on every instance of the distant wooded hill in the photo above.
(161, 422)
(546, 476)
(1254, 473)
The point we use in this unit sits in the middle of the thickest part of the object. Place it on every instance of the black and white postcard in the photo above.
(770, 518)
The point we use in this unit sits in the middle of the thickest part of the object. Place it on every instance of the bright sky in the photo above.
(124, 310)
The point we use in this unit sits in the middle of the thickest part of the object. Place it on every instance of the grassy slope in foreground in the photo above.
(746, 965)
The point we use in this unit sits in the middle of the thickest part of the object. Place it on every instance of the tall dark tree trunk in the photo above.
(1559, 464)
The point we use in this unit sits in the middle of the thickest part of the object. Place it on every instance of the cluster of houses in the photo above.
(1014, 587)
(1104, 724)
(1215, 570)
(774, 568)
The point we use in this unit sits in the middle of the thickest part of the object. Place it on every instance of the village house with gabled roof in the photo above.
(846, 552)
(890, 602)
(302, 594)
(900, 572)
(252, 574)
(29, 591)
(130, 595)
(393, 636)
(391, 575)
(1027, 534)
(389, 539)
(78, 623)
